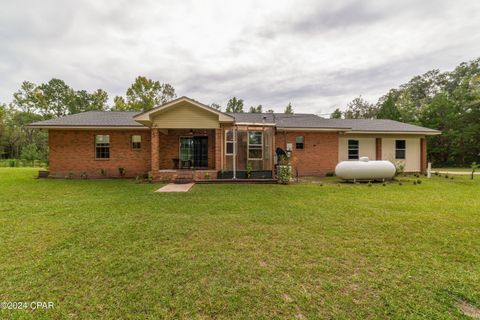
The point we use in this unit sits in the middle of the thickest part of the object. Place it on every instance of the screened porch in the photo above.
(247, 152)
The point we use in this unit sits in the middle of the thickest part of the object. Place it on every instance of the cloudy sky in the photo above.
(316, 54)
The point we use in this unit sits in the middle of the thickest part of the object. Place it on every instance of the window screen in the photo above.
(136, 141)
(353, 149)
(229, 142)
(299, 142)
(400, 149)
(255, 145)
(102, 146)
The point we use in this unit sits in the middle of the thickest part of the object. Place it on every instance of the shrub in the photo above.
(207, 175)
(330, 174)
(419, 181)
(249, 170)
(121, 171)
(284, 174)
(150, 177)
(103, 172)
(399, 168)
(83, 175)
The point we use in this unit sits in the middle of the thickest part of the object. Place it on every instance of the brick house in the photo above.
(187, 136)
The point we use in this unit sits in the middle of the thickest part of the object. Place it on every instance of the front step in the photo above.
(184, 176)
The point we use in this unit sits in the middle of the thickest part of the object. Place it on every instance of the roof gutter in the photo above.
(427, 133)
(86, 127)
(313, 129)
(255, 124)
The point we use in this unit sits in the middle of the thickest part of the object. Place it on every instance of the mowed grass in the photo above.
(114, 249)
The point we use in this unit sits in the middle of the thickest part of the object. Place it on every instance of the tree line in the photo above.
(55, 99)
(235, 105)
(446, 101)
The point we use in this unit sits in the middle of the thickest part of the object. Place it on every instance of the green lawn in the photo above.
(114, 249)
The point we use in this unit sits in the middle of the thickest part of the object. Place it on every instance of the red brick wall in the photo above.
(423, 155)
(74, 151)
(154, 154)
(169, 146)
(320, 153)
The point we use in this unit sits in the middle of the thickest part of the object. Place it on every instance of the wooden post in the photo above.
(378, 149)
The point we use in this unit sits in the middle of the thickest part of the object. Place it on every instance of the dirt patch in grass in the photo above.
(469, 310)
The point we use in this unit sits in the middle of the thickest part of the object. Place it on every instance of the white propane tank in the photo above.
(363, 169)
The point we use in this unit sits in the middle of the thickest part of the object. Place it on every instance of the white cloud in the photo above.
(316, 54)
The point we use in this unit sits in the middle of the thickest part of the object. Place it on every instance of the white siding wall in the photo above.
(412, 156)
(186, 116)
(367, 146)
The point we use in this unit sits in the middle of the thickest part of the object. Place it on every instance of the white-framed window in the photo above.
(353, 147)
(229, 142)
(102, 146)
(255, 145)
(400, 149)
(136, 142)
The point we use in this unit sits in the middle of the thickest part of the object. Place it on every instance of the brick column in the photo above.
(218, 149)
(378, 148)
(423, 155)
(155, 152)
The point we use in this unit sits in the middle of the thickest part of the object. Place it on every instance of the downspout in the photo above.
(222, 146)
(234, 152)
(263, 142)
(274, 151)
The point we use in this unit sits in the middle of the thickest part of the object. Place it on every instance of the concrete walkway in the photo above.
(173, 187)
(456, 172)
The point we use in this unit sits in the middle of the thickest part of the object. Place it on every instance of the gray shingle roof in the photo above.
(380, 125)
(94, 119)
(311, 121)
(252, 117)
(280, 120)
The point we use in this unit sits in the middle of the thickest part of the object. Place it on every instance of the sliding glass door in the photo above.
(194, 152)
